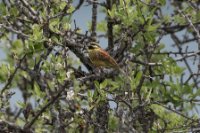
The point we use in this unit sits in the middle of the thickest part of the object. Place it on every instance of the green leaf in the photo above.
(104, 84)
(38, 47)
(138, 76)
(71, 9)
(66, 22)
(178, 70)
(97, 85)
(101, 26)
(3, 10)
(34, 47)
(95, 95)
(152, 28)
(113, 123)
(21, 104)
(37, 90)
(136, 48)
(3, 73)
(111, 13)
(163, 2)
(54, 25)
(17, 46)
(14, 11)
(55, 39)
(37, 33)
(62, 5)
(89, 94)
(114, 85)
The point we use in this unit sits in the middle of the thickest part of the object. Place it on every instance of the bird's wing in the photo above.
(104, 56)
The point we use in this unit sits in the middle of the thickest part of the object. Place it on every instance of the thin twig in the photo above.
(175, 27)
(176, 52)
(9, 81)
(32, 121)
(13, 30)
(177, 42)
(175, 111)
(12, 127)
(27, 5)
(188, 55)
(192, 26)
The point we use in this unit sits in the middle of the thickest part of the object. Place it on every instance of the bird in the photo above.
(101, 58)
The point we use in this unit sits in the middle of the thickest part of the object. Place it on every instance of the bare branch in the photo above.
(94, 20)
(13, 30)
(192, 26)
(175, 28)
(177, 42)
(188, 55)
(109, 25)
(27, 5)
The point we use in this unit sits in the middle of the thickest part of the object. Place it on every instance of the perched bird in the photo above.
(100, 58)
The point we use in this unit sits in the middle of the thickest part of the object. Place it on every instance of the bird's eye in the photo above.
(93, 45)
(90, 47)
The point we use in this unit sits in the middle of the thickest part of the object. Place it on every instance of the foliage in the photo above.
(47, 62)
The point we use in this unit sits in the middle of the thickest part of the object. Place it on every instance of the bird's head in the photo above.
(93, 45)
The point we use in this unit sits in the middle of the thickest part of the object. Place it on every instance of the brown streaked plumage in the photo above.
(101, 58)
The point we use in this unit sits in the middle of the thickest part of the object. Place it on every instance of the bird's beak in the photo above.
(85, 47)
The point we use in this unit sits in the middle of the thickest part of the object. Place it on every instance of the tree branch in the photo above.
(10, 79)
(8, 127)
(109, 25)
(13, 30)
(32, 121)
(94, 20)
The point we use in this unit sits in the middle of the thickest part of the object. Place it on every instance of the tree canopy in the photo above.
(155, 42)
